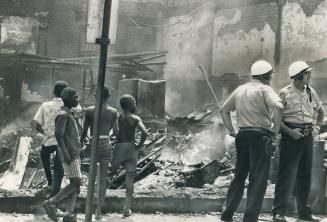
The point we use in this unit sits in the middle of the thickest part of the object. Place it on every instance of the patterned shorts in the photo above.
(104, 149)
(72, 170)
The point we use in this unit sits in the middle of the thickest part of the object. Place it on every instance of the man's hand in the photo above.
(233, 134)
(68, 160)
(296, 133)
(315, 131)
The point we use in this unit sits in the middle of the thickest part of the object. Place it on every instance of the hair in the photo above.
(67, 94)
(58, 87)
(126, 102)
(266, 76)
(298, 76)
(106, 92)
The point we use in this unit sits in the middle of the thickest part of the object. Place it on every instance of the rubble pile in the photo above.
(189, 152)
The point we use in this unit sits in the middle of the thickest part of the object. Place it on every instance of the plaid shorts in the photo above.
(72, 170)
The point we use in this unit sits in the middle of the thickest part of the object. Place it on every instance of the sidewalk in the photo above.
(142, 218)
(174, 201)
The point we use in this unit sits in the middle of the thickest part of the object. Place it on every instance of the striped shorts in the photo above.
(72, 170)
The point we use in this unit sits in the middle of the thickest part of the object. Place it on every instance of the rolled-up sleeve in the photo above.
(39, 116)
(229, 104)
(271, 97)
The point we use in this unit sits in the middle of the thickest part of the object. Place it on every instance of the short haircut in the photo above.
(266, 76)
(67, 94)
(106, 92)
(58, 87)
(126, 102)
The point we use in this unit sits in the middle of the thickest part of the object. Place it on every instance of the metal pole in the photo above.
(104, 42)
(211, 89)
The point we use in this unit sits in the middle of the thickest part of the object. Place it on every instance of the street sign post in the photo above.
(95, 20)
(104, 41)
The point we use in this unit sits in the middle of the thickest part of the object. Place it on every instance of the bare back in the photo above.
(107, 121)
(127, 124)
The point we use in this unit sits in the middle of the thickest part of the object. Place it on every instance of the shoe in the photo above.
(309, 218)
(98, 215)
(226, 219)
(279, 218)
(60, 213)
(127, 213)
(69, 217)
(51, 210)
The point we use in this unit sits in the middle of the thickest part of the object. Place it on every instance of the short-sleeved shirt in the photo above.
(297, 105)
(66, 127)
(45, 116)
(253, 102)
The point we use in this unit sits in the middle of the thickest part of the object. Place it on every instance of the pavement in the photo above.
(159, 217)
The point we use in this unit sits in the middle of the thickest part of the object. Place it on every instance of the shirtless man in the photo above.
(108, 121)
(125, 152)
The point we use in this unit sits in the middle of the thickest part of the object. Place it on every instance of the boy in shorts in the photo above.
(69, 153)
(125, 152)
(108, 121)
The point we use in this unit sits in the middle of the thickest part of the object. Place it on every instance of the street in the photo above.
(114, 217)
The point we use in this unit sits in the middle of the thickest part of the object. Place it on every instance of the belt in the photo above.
(299, 125)
(258, 129)
(306, 128)
(103, 137)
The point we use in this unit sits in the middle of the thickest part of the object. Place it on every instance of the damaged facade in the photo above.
(223, 38)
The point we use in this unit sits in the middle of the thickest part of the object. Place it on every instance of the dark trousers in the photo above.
(58, 172)
(253, 158)
(294, 175)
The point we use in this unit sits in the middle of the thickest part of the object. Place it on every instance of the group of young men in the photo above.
(296, 113)
(55, 120)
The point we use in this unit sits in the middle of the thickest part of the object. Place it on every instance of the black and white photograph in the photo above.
(163, 110)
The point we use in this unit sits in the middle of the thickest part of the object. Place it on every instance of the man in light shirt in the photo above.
(44, 122)
(302, 105)
(253, 102)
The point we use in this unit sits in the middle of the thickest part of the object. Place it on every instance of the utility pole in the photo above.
(104, 42)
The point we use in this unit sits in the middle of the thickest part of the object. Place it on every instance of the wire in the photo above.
(138, 23)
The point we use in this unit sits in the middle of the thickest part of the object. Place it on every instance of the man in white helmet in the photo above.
(299, 125)
(254, 102)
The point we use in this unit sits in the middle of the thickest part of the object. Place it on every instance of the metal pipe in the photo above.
(211, 89)
(104, 42)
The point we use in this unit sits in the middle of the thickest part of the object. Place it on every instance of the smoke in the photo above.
(22, 120)
(193, 148)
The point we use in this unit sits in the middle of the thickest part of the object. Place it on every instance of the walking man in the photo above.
(302, 105)
(254, 102)
(104, 152)
(44, 122)
(69, 152)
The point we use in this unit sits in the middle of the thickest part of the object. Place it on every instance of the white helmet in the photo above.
(260, 67)
(297, 67)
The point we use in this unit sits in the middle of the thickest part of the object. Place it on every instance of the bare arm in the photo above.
(86, 126)
(61, 122)
(225, 115)
(320, 116)
(320, 119)
(37, 126)
(277, 116)
(143, 130)
(225, 110)
(115, 127)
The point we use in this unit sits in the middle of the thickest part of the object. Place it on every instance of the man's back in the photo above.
(107, 121)
(127, 123)
(46, 116)
(253, 103)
